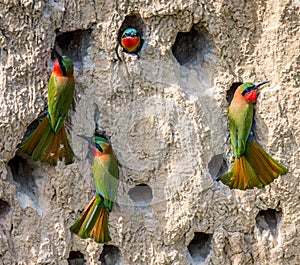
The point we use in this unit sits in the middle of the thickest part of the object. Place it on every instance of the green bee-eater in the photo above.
(49, 141)
(93, 221)
(252, 167)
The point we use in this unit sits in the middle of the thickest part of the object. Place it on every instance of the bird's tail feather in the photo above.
(36, 144)
(93, 221)
(267, 168)
(100, 231)
(58, 149)
(254, 169)
(43, 144)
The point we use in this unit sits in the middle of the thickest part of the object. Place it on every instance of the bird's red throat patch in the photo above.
(130, 43)
(251, 96)
(56, 68)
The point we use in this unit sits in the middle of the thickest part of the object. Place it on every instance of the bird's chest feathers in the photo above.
(102, 159)
(238, 112)
(61, 81)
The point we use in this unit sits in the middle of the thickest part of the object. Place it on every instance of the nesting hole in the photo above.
(101, 133)
(217, 166)
(4, 208)
(132, 21)
(76, 258)
(141, 195)
(73, 44)
(110, 255)
(191, 47)
(268, 220)
(22, 174)
(32, 126)
(200, 247)
(231, 91)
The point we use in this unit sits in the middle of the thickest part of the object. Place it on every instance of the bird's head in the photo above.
(249, 91)
(62, 64)
(131, 40)
(99, 145)
(130, 33)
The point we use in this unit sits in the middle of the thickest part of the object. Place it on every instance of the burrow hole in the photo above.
(76, 258)
(268, 220)
(32, 126)
(191, 47)
(4, 209)
(141, 195)
(231, 91)
(200, 247)
(132, 21)
(73, 44)
(22, 175)
(110, 255)
(217, 166)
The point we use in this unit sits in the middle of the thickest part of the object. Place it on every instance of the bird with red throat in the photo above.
(252, 167)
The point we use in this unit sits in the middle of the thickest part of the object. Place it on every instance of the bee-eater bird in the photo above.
(49, 142)
(93, 221)
(131, 40)
(252, 167)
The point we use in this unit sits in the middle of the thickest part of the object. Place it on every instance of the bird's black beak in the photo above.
(261, 83)
(60, 61)
(89, 139)
(93, 146)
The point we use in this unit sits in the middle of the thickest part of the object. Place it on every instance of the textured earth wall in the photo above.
(166, 115)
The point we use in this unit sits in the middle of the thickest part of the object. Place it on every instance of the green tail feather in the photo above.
(67, 153)
(79, 227)
(43, 144)
(254, 169)
(36, 144)
(58, 149)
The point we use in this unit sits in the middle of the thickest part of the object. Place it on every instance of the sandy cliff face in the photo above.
(166, 115)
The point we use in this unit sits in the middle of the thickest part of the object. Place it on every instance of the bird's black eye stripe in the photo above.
(99, 147)
(64, 70)
(62, 67)
(248, 89)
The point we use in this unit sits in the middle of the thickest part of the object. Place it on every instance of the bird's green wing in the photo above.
(240, 125)
(105, 170)
(60, 95)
